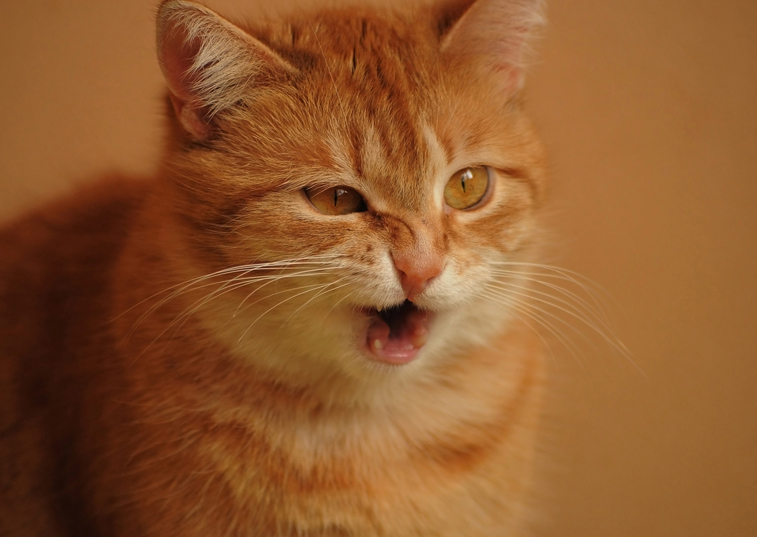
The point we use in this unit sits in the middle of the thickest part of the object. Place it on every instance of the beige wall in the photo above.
(648, 108)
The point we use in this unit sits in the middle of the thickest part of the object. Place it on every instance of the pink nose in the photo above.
(416, 274)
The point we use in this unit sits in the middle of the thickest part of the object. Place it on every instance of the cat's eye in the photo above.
(467, 187)
(337, 200)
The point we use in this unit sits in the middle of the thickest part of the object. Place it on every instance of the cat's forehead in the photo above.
(373, 80)
(373, 101)
(398, 172)
(350, 35)
(390, 148)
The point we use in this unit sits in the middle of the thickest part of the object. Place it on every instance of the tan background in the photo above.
(648, 108)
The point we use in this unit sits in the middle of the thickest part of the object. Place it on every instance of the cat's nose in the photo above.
(416, 273)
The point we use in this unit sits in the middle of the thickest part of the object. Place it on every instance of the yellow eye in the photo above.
(337, 200)
(467, 187)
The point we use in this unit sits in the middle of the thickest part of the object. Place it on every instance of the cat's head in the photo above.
(369, 172)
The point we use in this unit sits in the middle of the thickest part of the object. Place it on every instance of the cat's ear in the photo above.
(209, 63)
(495, 34)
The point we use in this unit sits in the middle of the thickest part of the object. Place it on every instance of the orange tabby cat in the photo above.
(294, 328)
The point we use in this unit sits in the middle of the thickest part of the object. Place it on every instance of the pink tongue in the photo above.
(402, 345)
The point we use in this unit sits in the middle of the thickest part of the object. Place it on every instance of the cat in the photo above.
(301, 324)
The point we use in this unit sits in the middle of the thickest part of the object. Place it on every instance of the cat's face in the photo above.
(369, 186)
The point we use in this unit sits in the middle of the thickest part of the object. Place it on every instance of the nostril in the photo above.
(418, 281)
(416, 275)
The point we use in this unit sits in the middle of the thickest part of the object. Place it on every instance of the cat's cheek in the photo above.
(457, 332)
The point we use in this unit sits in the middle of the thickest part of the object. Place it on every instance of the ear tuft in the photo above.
(496, 34)
(209, 63)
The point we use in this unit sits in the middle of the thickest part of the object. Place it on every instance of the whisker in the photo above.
(580, 305)
(589, 323)
(520, 312)
(225, 286)
(591, 288)
(185, 315)
(314, 272)
(270, 310)
(322, 292)
(180, 287)
(337, 303)
(578, 310)
(317, 265)
(538, 315)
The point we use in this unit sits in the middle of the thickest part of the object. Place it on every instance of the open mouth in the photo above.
(395, 335)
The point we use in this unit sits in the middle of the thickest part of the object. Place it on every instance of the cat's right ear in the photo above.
(209, 63)
(493, 34)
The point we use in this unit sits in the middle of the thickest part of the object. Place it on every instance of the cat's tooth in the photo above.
(420, 337)
(377, 345)
(380, 309)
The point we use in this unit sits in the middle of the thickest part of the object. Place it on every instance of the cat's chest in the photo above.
(358, 486)
(417, 474)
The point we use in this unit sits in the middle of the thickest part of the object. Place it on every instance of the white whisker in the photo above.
(275, 279)
(322, 292)
(538, 315)
(271, 309)
(585, 284)
(241, 276)
(578, 304)
(526, 283)
(520, 313)
(510, 290)
(180, 288)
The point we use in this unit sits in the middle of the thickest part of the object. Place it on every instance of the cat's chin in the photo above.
(396, 335)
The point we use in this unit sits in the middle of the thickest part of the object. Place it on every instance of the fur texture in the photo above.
(187, 355)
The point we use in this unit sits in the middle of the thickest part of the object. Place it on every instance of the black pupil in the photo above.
(464, 177)
(338, 192)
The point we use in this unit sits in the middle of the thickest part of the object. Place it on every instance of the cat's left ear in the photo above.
(209, 63)
(494, 34)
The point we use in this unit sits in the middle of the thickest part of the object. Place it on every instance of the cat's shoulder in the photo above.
(93, 206)
(56, 235)
(57, 259)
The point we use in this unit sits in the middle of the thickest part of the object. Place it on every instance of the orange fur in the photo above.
(149, 389)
